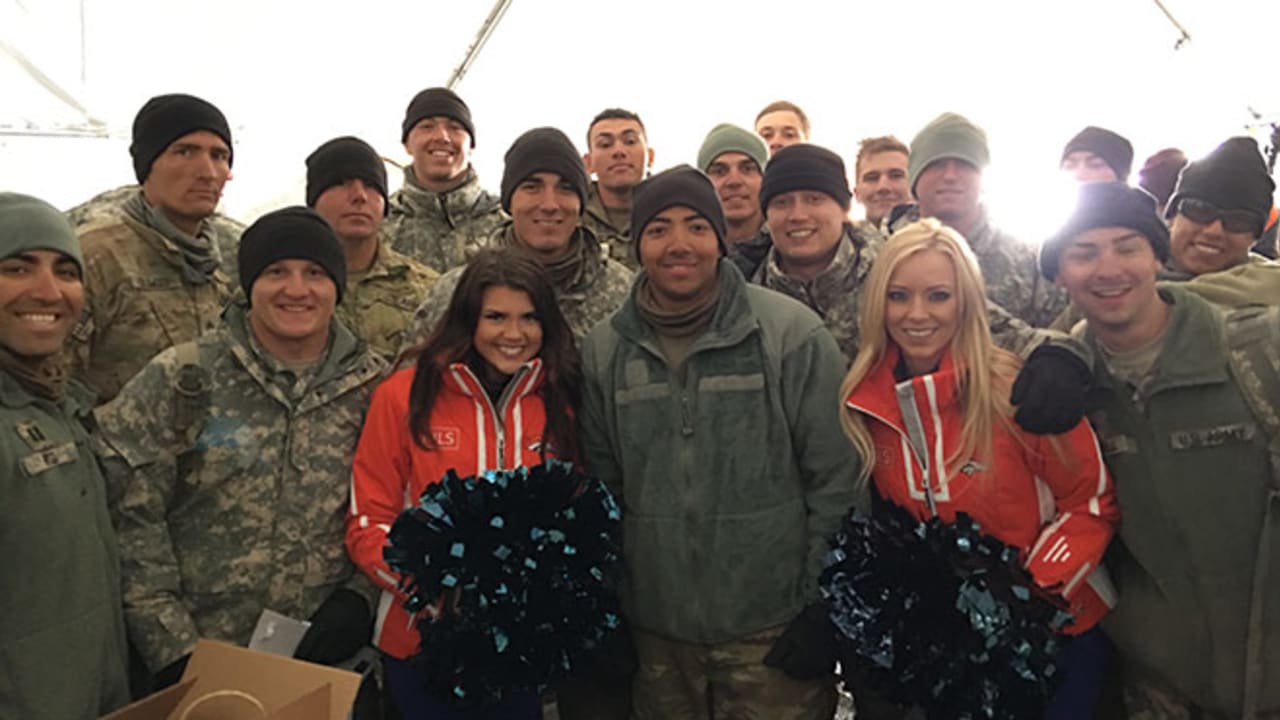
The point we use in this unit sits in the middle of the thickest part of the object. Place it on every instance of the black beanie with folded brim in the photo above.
(805, 167)
(1107, 204)
(1234, 177)
(543, 149)
(1114, 149)
(342, 159)
(292, 233)
(166, 118)
(681, 185)
(437, 102)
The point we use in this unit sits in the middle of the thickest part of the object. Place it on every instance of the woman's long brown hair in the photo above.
(451, 342)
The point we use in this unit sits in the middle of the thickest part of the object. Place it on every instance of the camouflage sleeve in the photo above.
(1021, 339)
(80, 344)
(430, 311)
(1048, 299)
(136, 443)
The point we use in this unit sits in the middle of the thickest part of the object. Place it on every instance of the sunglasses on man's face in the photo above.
(1203, 213)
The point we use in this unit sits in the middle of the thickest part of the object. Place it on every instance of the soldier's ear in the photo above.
(649, 154)
(586, 162)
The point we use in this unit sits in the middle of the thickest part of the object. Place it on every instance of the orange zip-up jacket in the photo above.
(1057, 504)
(391, 471)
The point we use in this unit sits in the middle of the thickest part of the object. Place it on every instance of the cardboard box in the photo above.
(226, 682)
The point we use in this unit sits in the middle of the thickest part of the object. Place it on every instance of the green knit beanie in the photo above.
(28, 223)
(727, 137)
(948, 136)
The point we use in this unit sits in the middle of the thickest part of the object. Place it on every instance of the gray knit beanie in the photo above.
(28, 223)
(727, 137)
(949, 136)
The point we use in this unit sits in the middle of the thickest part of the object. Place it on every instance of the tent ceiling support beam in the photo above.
(491, 22)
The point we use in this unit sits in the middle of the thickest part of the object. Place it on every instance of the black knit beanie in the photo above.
(805, 167)
(433, 102)
(1108, 204)
(290, 233)
(1234, 177)
(543, 149)
(166, 118)
(1113, 148)
(342, 159)
(679, 185)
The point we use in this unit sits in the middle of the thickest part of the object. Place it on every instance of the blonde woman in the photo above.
(926, 404)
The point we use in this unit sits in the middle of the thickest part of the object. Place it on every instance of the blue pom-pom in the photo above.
(940, 616)
(530, 560)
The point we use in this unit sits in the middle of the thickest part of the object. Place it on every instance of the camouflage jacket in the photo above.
(598, 287)
(379, 305)
(1009, 269)
(441, 230)
(750, 254)
(835, 295)
(229, 477)
(616, 241)
(108, 205)
(62, 638)
(137, 303)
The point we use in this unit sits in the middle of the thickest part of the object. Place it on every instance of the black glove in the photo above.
(170, 674)
(614, 659)
(1051, 391)
(807, 649)
(341, 626)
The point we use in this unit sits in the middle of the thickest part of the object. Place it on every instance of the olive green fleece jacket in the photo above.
(731, 470)
(1191, 469)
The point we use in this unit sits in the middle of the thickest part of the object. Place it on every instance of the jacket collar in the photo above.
(1195, 346)
(595, 208)
(460, 378)
(412, 199)
(589, 265)
(344, 356)
(878, 393)
(843, 277)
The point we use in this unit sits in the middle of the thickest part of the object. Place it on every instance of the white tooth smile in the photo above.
(1208, 249)
(918, 333)
(39, 318)
(511, 352)
(1116, 292)
(799, 234)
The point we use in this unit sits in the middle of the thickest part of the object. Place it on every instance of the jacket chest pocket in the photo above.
(155, 313)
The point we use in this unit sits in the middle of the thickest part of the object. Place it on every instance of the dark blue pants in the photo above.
(1082, 662)
(404, 685)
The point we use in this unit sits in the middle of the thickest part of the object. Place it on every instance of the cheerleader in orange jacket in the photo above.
(494, 386)
(926, 403)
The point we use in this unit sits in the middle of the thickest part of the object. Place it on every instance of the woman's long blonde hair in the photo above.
(984, 372)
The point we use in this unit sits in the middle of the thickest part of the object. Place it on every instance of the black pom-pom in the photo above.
(940, 616)
(514, 574)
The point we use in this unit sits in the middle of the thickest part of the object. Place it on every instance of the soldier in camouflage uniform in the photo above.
(230, 457)
(347, 186)
(880, 181)
(945, 172)
(1184, 405)
(543, 186)
(151, 274)
(441, 214)
(619, 156)
(109, 205)
(734, 158)
(62, 638)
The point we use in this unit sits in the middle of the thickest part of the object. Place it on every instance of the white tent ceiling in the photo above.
(289, 76)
